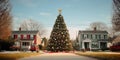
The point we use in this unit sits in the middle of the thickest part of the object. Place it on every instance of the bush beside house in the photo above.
(6, 44)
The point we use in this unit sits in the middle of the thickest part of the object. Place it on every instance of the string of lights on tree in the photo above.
(59, 38)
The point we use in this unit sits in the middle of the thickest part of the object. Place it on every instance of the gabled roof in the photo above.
(92, 31)
(24, 32)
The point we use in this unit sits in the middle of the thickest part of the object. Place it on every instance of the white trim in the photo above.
(87, 40)
(83, 43)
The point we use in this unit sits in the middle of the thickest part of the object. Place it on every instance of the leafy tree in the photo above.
(6, 44)
(5, 19)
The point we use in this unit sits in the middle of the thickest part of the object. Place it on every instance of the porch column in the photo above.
(90, 45)
(99, 45)
(83, 47)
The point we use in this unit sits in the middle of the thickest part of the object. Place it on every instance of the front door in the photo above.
(103, 45)
(86, 44)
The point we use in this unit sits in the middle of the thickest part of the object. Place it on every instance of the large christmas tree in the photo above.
(59, 38)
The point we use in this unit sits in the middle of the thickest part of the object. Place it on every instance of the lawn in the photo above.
(101, 55)
(15, 56)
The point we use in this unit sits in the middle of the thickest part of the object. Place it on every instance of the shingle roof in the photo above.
(24, 32)
(92, 31)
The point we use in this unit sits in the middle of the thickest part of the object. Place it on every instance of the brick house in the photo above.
(25, 39)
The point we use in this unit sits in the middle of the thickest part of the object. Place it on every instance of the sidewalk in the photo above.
(10, 52)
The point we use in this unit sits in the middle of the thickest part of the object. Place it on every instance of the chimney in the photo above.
(20, 29)
(95, 29)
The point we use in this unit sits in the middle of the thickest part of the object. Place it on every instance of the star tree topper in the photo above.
(59, 10)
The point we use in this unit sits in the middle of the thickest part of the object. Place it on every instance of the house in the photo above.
(92, 39)
(26, 39)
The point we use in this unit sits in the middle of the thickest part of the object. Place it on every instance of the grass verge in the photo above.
(101, 55)
(15, 56)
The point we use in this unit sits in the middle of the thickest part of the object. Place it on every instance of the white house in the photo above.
(92, 39)
(25, 39)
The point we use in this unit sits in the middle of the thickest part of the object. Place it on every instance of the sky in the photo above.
(78, 14)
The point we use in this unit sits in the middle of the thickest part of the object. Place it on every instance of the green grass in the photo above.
(16, 56)
(101, 55)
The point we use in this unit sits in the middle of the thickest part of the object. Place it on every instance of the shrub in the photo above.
(5, 44)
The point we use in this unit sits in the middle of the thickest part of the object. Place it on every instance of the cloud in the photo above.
(28, 3)
(45, 14)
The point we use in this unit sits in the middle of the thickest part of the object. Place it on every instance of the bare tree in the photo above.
(116, 15)
(31, 25)
(98, 25)
(5, 19)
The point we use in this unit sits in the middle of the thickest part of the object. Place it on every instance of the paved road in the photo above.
(58, 56)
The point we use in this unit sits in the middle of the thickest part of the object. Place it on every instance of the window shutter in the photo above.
(34, 39)
(34, 36)
(22, 36)
(28, 36)
(15, 36)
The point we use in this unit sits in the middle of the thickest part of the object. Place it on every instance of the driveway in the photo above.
(58, 56)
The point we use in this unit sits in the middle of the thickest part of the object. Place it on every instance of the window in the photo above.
(99, 36)
(91, 36)
(83, 36)
(95, 36)
(25, 43)
(87, 35)
(24, 36)
(105, 36)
